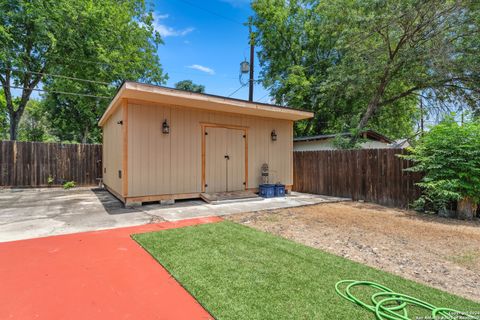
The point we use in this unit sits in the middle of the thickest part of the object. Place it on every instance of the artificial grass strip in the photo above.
(237, 272)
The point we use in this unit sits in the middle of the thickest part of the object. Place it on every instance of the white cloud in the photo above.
(202, 68)
(166, 31)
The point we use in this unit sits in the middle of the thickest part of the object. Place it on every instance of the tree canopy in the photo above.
(53, 43)
(366, 63)
(34, 125)
(188, 85)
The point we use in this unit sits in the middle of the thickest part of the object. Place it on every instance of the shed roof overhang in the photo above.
(163, 95)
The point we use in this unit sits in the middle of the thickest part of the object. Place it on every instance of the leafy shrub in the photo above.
(345, 142)
(69, 185)
(449, 156)
(50, 180)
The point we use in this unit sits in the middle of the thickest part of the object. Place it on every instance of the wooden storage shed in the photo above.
(161, 143)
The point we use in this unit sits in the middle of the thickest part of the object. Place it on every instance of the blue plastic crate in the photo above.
(279, 190)
(267, 190)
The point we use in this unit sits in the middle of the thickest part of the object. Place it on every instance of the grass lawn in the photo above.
(237, 272)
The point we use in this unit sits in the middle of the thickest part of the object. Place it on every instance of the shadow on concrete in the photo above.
(111, 204)
(179, 204)
(114, 206)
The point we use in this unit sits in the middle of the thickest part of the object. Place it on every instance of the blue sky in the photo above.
(205, 42)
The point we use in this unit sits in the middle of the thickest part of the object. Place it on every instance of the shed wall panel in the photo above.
(113, 152)
(171, 163)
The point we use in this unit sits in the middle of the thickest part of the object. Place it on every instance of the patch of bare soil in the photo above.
(442, 253)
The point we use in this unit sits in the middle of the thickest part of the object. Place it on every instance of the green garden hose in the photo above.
(390, 305)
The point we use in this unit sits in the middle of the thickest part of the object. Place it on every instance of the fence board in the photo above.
(29, 164)
(373, 175)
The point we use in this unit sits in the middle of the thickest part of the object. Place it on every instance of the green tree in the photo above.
(188, 85)
(34, 125)
(449, 156)
(103, 40)
(360, 65)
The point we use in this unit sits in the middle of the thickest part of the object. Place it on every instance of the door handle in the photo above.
(227, 157)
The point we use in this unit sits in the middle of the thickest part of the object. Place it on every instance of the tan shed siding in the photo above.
(149, 170)
(186, 166)
(171, 164)
(112, 152)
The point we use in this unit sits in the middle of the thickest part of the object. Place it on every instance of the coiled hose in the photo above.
(390, 305)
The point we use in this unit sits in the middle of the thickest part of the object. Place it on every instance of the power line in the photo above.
(107, 83)
(127, 62)
(58, 92)
(266, 94)
(56, 75)
(231, 94)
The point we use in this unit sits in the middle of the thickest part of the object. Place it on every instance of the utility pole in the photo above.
(252, 56)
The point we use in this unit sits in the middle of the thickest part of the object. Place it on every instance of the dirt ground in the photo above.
(442, 253)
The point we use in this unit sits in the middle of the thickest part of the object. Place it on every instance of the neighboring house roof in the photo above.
(367, 134)
(158, 94)
(400, 143)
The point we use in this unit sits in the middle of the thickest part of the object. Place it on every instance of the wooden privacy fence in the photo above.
(30, 164)
(374, 175)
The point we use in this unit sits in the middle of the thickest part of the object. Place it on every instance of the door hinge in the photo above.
(120, 174)
(104, 170)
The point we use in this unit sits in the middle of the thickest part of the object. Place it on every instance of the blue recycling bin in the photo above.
(267, 190)
(279, 190)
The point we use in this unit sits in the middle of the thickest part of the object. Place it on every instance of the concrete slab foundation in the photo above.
(32, 213)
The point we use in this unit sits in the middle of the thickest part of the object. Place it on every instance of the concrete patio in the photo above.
(32, 213)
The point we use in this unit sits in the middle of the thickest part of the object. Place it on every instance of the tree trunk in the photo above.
(16, 114)
(372, 107)
(466, 209)
(373, 103)
(13, 125)
(85, 135)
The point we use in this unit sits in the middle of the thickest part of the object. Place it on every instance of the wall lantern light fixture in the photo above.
(274, 135)
(165, 127)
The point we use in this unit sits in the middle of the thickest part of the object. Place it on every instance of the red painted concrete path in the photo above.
(92, 275)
